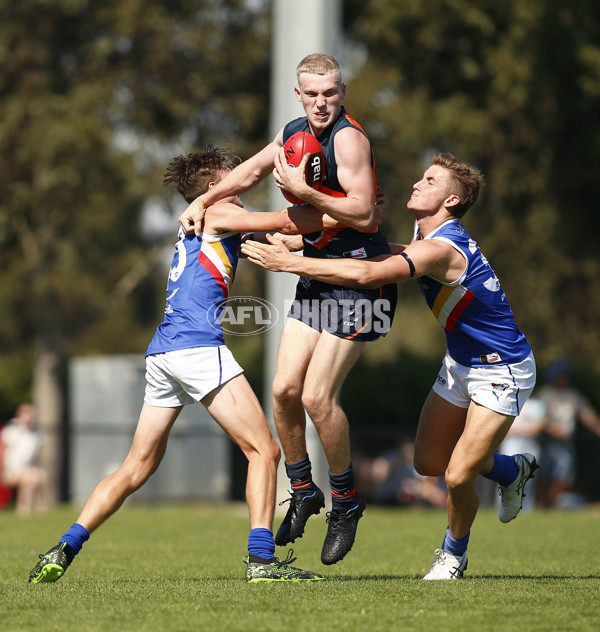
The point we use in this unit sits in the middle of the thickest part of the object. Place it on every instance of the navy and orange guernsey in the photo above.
(201, 275)
(478, 321)
(338, 242)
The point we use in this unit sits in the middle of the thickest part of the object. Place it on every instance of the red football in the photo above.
(295, 148)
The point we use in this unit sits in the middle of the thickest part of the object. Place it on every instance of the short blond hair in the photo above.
(318, 64)
(465, 181)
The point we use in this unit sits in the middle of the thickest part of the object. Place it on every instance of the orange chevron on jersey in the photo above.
(324, 237)
(359, 126)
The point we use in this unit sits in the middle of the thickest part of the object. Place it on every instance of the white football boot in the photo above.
(447, 566)
(511, 496)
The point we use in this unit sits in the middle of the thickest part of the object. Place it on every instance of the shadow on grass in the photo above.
(371, 578)
(528, 578)
(352, 578)
(533, 577)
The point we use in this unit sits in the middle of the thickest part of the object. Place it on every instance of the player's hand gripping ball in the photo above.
(295, 148)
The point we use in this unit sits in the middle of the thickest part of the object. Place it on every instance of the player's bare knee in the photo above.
(458, 479)
(136, 472)
(317, 404)
(285, 391)
(134, 479)
(425, 467)
(274, 452)
(268, 451)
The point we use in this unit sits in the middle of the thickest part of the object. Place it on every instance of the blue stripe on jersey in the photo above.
(220, 365)
(518, 391)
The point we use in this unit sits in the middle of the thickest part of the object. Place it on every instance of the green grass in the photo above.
(171, 567)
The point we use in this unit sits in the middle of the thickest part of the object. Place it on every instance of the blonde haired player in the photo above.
(328, 325)
(488, 371)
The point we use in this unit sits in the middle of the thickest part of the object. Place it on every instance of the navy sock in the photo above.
(457, 547)
(300, 475)
(343, 490)
(505, 470)
(261, 544)
(75, 538)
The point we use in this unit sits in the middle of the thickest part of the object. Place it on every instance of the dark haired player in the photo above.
(328, 325)
(188, 362)
(488, 371)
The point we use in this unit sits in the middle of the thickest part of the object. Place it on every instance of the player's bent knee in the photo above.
(274, 452)
(458, 479)
(425, 467)
(270, 451)
(136, 472)
(136, 479)
(317, 405)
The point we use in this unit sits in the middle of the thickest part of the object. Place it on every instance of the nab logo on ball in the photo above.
(315, 169)
(295, 148)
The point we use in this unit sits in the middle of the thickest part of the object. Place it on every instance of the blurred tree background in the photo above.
(97, 96)
(513, 87)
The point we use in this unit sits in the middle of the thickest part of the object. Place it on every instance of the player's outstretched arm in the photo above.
(347, 272)
(245, 176)
(438, 259)
(295, 220)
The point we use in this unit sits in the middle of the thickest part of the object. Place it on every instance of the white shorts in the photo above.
(177, 378)
(502, 388)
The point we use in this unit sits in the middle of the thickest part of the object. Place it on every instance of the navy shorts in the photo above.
(363, 315)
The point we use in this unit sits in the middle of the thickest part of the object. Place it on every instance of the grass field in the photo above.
(170, 567)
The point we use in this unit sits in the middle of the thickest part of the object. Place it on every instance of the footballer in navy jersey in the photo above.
(343, 241)
(346, 242)
(327, 325)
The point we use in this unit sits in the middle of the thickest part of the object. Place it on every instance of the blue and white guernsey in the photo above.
(200, 278)
(473, 310)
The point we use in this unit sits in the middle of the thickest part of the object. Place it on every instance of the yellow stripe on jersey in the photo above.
(446, 300)
(217, 255)
(218, 246)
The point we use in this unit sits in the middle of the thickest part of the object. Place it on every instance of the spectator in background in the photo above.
(396, 482)
(565, 407)
(19, 449)
(524, 436)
